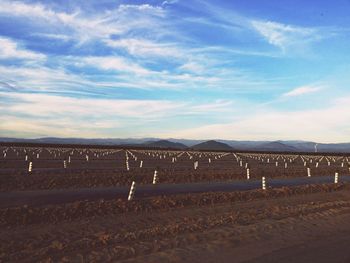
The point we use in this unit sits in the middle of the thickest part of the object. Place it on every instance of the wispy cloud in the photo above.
(78, 113)
(43, 105)
(302, 90)
(6, 85)
(169, 2)
(329, 124)
(146, 48)
(83, 27)
(212, 107)
(116, 64)
(61, 37)
(286, 36)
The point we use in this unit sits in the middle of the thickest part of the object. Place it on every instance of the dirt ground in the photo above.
(291, 224)
(106, 168)
(295, 227)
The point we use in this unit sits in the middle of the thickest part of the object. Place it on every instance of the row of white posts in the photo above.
(127, 161)
(263, 183)
(133, 186)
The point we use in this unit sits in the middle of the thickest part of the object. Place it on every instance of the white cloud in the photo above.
(53, 36)
(9, 49)
(330, 124)
(170, 2)
(218, 106)
(82, 27)
(154, 10)
(17, 8)
(192, 66)
(43, 78)
(145, 48)
(302, 90)
(43, 105)
(116, 64)
(284, 36)
(54, 115)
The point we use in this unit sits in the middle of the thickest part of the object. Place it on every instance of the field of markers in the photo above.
(47, 213)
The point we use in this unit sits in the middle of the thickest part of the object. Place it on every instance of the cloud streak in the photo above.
(302, 91)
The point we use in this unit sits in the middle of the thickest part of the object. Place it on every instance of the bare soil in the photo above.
(295, 224)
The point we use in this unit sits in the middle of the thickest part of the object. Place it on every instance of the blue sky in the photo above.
(242, 70)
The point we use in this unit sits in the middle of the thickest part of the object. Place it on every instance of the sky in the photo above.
(215, 69)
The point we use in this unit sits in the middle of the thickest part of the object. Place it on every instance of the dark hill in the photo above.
(276, 146)
(166, 144)
(212, 146)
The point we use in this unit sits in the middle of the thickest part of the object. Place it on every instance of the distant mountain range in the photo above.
(181, 144)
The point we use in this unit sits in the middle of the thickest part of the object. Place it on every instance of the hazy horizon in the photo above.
(232, 70)
(170, 138)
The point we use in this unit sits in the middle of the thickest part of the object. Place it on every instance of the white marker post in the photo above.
(276, 164)
(155, 177)
(141, 163)
(316, 164)
(30, 167)
(37, 156)
(26, 158)
(64, 164)
(308, 172)
(132, 191)
(195, 165)
(336, 178)
(248, 174)
(263, 183)
(285, 165)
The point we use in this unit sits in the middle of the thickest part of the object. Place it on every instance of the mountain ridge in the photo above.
(212, 145)
(287, 145)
